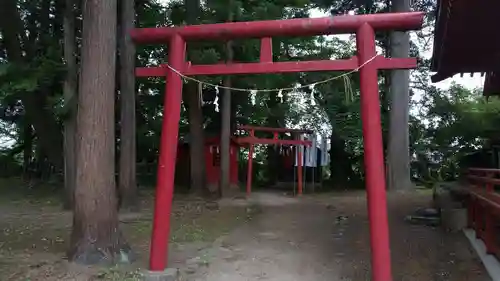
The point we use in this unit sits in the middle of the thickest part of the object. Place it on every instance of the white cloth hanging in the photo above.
(325, 155)
(299, 148)
(311, 152)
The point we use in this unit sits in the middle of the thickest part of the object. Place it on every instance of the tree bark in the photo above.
(273, 120)
(197, 134)
(69, 92)
(96, 237)
(225, 142)
(196, 142)
(127, 174)
(27, 148)
(398, 151)
(341, 172)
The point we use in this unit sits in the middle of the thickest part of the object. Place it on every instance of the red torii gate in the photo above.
(366, 61)
(251, 140)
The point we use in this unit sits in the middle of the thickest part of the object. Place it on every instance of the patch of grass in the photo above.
(24, 237)
(119, 274)
(190, 232)
(203, 226)
(32, 229)
(19, 192)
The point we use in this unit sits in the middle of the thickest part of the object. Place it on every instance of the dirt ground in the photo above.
(34, 235)
(326, 237)
(270, 237)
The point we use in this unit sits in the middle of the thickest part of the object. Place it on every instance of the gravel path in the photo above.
(326, 238)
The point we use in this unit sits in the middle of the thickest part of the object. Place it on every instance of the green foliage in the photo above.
(444, 126)
(450, 125)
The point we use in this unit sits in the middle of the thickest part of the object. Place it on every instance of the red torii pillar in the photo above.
(363, 25)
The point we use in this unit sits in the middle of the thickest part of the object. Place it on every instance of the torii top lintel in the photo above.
(291, 27)
(267, 29)
(274, 130)
(252, 139)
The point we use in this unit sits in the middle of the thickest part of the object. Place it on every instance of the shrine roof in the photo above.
(464, 39)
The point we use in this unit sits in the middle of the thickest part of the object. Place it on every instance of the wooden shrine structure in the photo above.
(467, 41)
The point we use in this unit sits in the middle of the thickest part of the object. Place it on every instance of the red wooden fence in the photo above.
(483, 206)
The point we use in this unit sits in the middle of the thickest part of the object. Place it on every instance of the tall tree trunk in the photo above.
(197, 134)
(197, 142)
(70, 92)
(27, 148)
(127, 173)
(225, 143)
(341, 172)
(40, 160)
(398, 151)
(96, 237)
(275, 115)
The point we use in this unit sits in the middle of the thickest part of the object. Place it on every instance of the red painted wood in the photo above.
(483, 180)
(213, 166)
(233, 167)
(273, 28)
(266, 49)
(255, 140)
(299, 171)
(374, 157)
(278, 130)
(494, 171)
(491, 198)
(289, 159)
(166, 163)
(484, 207)
(250, 165)
(151, 71)
(212, 152)
(489, 233)
(271, 67)
(277, 67)
(479, 221)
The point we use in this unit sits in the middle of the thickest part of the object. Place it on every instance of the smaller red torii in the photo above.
(252, 140)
